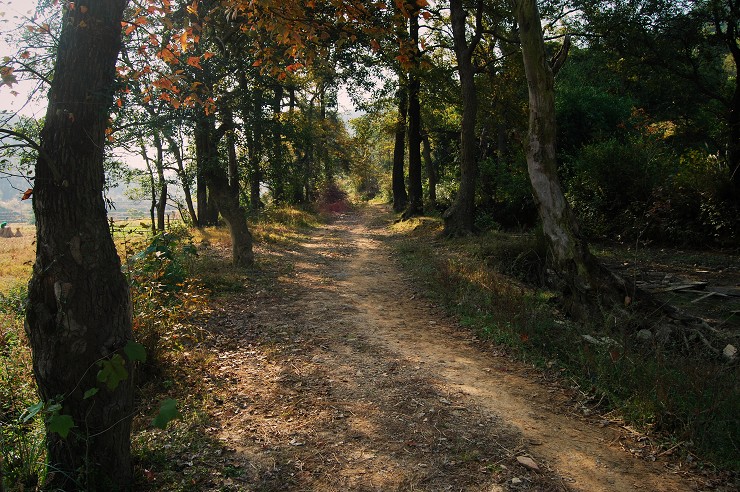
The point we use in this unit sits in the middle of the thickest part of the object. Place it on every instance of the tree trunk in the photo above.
(79, 308)
(201, 195)
(416, 199)
(241, 239)
(431, 171)
(206, 145)
(584, 280)
(185, 180)
(277, 162)
(159, 163)
(733, 152)
(152, 185)
(459, 218)
(400, 197)
(234, 184)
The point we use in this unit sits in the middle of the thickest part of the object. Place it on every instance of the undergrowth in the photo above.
(22, 440)
(493, 283)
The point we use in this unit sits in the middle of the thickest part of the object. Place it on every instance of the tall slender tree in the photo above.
(585, 281)
(416, 200)
(459, 218)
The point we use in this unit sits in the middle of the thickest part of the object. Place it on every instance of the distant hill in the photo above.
(14, 210)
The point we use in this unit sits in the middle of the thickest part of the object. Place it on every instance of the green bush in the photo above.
(164, 294)
(638, 188)
(22, 440)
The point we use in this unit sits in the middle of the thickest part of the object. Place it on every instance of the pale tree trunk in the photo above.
(585, 282)
(79, 308)
(459, 218)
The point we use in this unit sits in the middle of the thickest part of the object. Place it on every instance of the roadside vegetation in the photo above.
(682, 401)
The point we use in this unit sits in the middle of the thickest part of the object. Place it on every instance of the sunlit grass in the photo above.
(16, 258)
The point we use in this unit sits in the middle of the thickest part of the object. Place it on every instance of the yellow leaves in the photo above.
(184, 40)
(194, 61)
(25, 55)
(165, 83)
(168, 56)
(83, 9)
(193, 8)
(257, 62)
(208, 55)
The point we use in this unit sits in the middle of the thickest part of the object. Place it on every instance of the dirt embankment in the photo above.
(340, 378)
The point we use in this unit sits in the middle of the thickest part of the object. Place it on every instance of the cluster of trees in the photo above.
(231, 98)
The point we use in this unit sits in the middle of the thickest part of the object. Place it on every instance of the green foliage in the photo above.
(164, 293)
(22, 437)
(112, 371)
(505, 196)
(167, 412)
(638, 188)
(651, 384)
(14, 302)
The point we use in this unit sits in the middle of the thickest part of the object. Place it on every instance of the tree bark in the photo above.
(400, 197)
(217, 180)
(182, 174)
(79, 308)
(415, 196)
(159, 164)
(431, 171)
(585, 282)
(459, 218)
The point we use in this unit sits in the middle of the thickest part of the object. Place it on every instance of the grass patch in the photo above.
(16, 258)
(494, 285)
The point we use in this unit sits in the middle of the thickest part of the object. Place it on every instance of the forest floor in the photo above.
(335, 374)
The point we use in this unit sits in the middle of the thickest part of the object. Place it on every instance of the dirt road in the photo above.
(341, 378)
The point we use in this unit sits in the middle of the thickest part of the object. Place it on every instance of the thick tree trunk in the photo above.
(79, 309)
(241, 239)
(585, 282)
(400, 197)
(206, 148)
(416, 199)
(460, 217)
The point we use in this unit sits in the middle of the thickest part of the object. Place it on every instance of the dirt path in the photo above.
(340, 378)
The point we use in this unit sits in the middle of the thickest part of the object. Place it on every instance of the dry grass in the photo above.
(16, 258)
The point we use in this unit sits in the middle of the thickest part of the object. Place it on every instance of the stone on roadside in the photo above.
(527, 462)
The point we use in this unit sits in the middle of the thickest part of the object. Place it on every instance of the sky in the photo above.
(13, 13)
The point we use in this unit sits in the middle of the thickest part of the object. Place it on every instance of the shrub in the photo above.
(164, 295)
(22, 440)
